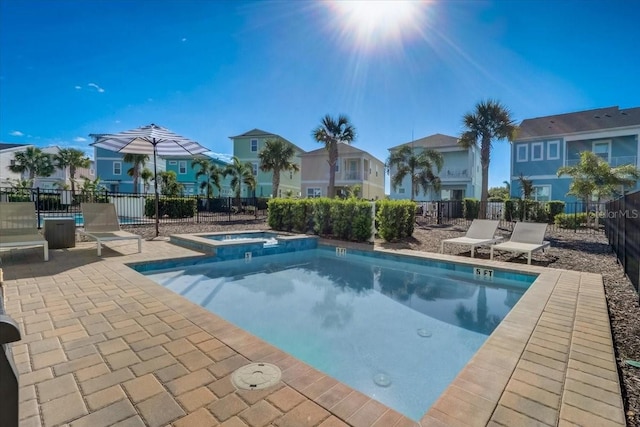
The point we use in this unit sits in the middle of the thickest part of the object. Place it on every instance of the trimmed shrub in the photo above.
(395, 219)
(511, 209)
(171, 207)
(322, 216)
(555, 207)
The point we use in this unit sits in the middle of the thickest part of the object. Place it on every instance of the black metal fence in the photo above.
(622, 227)
(574, 216)
(138, 209)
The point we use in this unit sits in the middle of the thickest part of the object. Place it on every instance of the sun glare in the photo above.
(371, 23)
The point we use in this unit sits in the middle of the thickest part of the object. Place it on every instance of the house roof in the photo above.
(4, 146)
(260, 133)
(581, 121)
(342, 149)
(436, 140)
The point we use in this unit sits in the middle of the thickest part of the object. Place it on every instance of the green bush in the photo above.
(555, 207)
(19, 198)
(470, 208)
(322, 225)
(395, 219)
(495, 199)
(511, 209)
(171, 207)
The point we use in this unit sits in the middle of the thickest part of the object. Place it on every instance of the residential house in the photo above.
(186, 175)
(112, 171)
(246, 148)
(60, 178)
(7, 152)
(544, 144)
(354, 167)
(460, 176)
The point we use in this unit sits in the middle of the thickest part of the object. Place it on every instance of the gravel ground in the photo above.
(588, 252)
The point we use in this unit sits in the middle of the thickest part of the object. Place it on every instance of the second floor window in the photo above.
(536, 151)
(255, 169)
(521, 153)
(117, 168)
(182, 167)
(254, 145)
(602, 149)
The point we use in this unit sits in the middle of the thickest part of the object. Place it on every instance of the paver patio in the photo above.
(103, 346)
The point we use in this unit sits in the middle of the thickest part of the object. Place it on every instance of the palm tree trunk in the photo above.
(275, 182)
(484, 163)
(333, 159)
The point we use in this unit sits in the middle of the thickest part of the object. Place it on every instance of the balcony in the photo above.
(352, 176)
(454, 173)
(615, 161)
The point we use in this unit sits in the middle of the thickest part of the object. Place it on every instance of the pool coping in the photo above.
(550, 361)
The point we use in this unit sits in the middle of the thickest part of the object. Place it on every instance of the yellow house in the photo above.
(355, 167)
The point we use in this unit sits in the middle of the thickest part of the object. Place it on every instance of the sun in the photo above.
(372, 23)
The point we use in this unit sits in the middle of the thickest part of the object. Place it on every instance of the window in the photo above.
(541, 193)
(254, 145)
(602, 149)
(314, 192)
(401, 190)
(553, 150)
(521, 153)
(117, 168)
(290, 174)
(173, 162)
(338, 165)
(536, 151)
(254, 169)
(376, 170)
(182, 167)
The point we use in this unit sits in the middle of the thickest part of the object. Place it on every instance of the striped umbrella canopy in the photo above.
(151, 139)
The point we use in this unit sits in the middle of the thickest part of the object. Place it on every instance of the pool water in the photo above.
(396, 331)
(80, 221)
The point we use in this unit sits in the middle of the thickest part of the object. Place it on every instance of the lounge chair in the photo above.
(101, 224)
(481, 232)
(527, 237)
(19, 227)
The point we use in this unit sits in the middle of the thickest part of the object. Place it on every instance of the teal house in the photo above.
(113, 172)
(186, 175)
(544, 144)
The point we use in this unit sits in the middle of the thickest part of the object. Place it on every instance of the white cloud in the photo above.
(79, 139)
(184, 39)
(78, 87)
(96, 87)
(16, 133)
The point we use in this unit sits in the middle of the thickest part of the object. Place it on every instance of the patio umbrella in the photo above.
(151, 139)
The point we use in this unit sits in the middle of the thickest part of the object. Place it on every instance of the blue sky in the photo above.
(212, 69)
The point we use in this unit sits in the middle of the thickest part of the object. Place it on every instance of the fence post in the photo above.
(229, 201)
(38, 206)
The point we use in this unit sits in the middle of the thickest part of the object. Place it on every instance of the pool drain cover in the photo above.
(256, 376)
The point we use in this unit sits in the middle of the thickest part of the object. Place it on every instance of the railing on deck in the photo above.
(622, 227)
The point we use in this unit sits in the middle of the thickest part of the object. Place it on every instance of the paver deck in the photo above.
(104, 346)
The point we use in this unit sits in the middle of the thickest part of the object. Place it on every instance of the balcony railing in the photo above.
(352, 176)
(614, 162)
(454, 173)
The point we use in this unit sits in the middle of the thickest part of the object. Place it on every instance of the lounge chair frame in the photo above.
(101, 224)
(19, 227)
(481, 232)
(526, 238)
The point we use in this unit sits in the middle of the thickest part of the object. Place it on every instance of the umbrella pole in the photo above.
(155, 186)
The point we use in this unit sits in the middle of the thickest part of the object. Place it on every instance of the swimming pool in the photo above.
(397, 329)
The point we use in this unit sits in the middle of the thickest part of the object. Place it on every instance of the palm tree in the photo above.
(507, 184)
(419, 166)
(146, 175)
(276, 157)
(526, 186)
(32, 161)
(241, 173)
(169, 185)
(490, 121)
(138, 161)
(594, 177)
(211, 172)
(331, 132)
(73, 159)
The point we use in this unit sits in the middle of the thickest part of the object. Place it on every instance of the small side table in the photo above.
(60, 232)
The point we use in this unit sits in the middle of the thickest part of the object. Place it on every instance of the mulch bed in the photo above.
(581, 251)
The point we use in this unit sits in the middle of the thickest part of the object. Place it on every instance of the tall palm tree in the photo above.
(276, 157)
(32, 161)
(73, 159)
(419, 166)
(526, 186)
(331, 132)
(241, 173)
(490, 121)
(209, 170)
(138, 161)
(146, 175)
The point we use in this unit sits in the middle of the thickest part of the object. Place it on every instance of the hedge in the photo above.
(171, 207)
